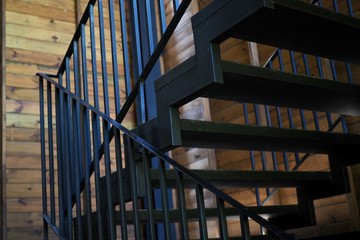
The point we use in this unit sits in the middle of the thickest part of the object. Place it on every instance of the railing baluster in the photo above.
(245, 227)
(114, 57)
(96, 145)
(125, 47)
(76, 163)
(93, 57)
(86, 129)
(201, 208)
(164, 198)
(43, 156)
(349, 73)
(51, 155)
(252, 156)
(121, 184)
(350, 8)
(150, 25)
(69, 170)
(335, 5)
(222, 219)
(109, 196)
(103, 58)
(60, 157)
(162, 17)
(182, 206)
(149, 193)
(134, 186)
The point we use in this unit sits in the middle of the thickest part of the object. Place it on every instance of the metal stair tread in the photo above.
(247, 83)
(292, 25)
(239, 179)
(193, 213)
(205, 134)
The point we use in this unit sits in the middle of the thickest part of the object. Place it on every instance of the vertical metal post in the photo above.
(121, 190)
(125, 47)
(51, 155)
(109, 196)
(149, 193)
(222, 219)
(43, 157)
(202, 215)
(182, 205)
(96, 155)
(103, 58)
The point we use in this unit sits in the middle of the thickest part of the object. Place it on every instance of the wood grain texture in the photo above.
(3, 203)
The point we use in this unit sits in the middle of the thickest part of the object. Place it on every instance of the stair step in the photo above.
(245, 83)
(193, 214)
(295, 25)
(345, 235)
(239, 179)
(204, 134)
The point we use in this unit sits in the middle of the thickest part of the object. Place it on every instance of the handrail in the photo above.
(220, 194)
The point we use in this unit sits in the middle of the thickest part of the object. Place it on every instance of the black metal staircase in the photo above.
(98, 202)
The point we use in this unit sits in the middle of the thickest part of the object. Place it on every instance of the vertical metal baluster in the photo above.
(222, 219)
(262, 153)
(293, 65)
(120, 179)
(149, 25)
(245, 227)
(201, 207)
(349, 73)
(252, 156)
(279, 119)
(114, 57)
(109, 196)
(77, 159)
(103, 58)
(93, 58)
(164, 198)
(321, 75)
(269, 124)
(308, 73)
(43, 157)
(78, 156)
(350, 8)
(96, 146)
(139, 62)
(51, 155)
(64, 163)
(333, 70)
(175, 5)
(335, 4)
(60, 157)
(125, 47)
(149, 193)
(292, 126)
(134, 186)
(68, 149)
(182, 206)
(86, 121)
(84, 64)
(162, 17)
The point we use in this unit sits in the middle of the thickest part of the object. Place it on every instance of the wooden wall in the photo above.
(37, 35)
(2, 123)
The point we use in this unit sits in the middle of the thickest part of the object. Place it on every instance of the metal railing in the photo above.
(81, 159)
(100, 208)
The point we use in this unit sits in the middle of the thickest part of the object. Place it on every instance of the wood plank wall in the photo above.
(37, 36)
(2, 124)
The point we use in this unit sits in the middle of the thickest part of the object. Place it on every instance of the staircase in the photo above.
(140, 192)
